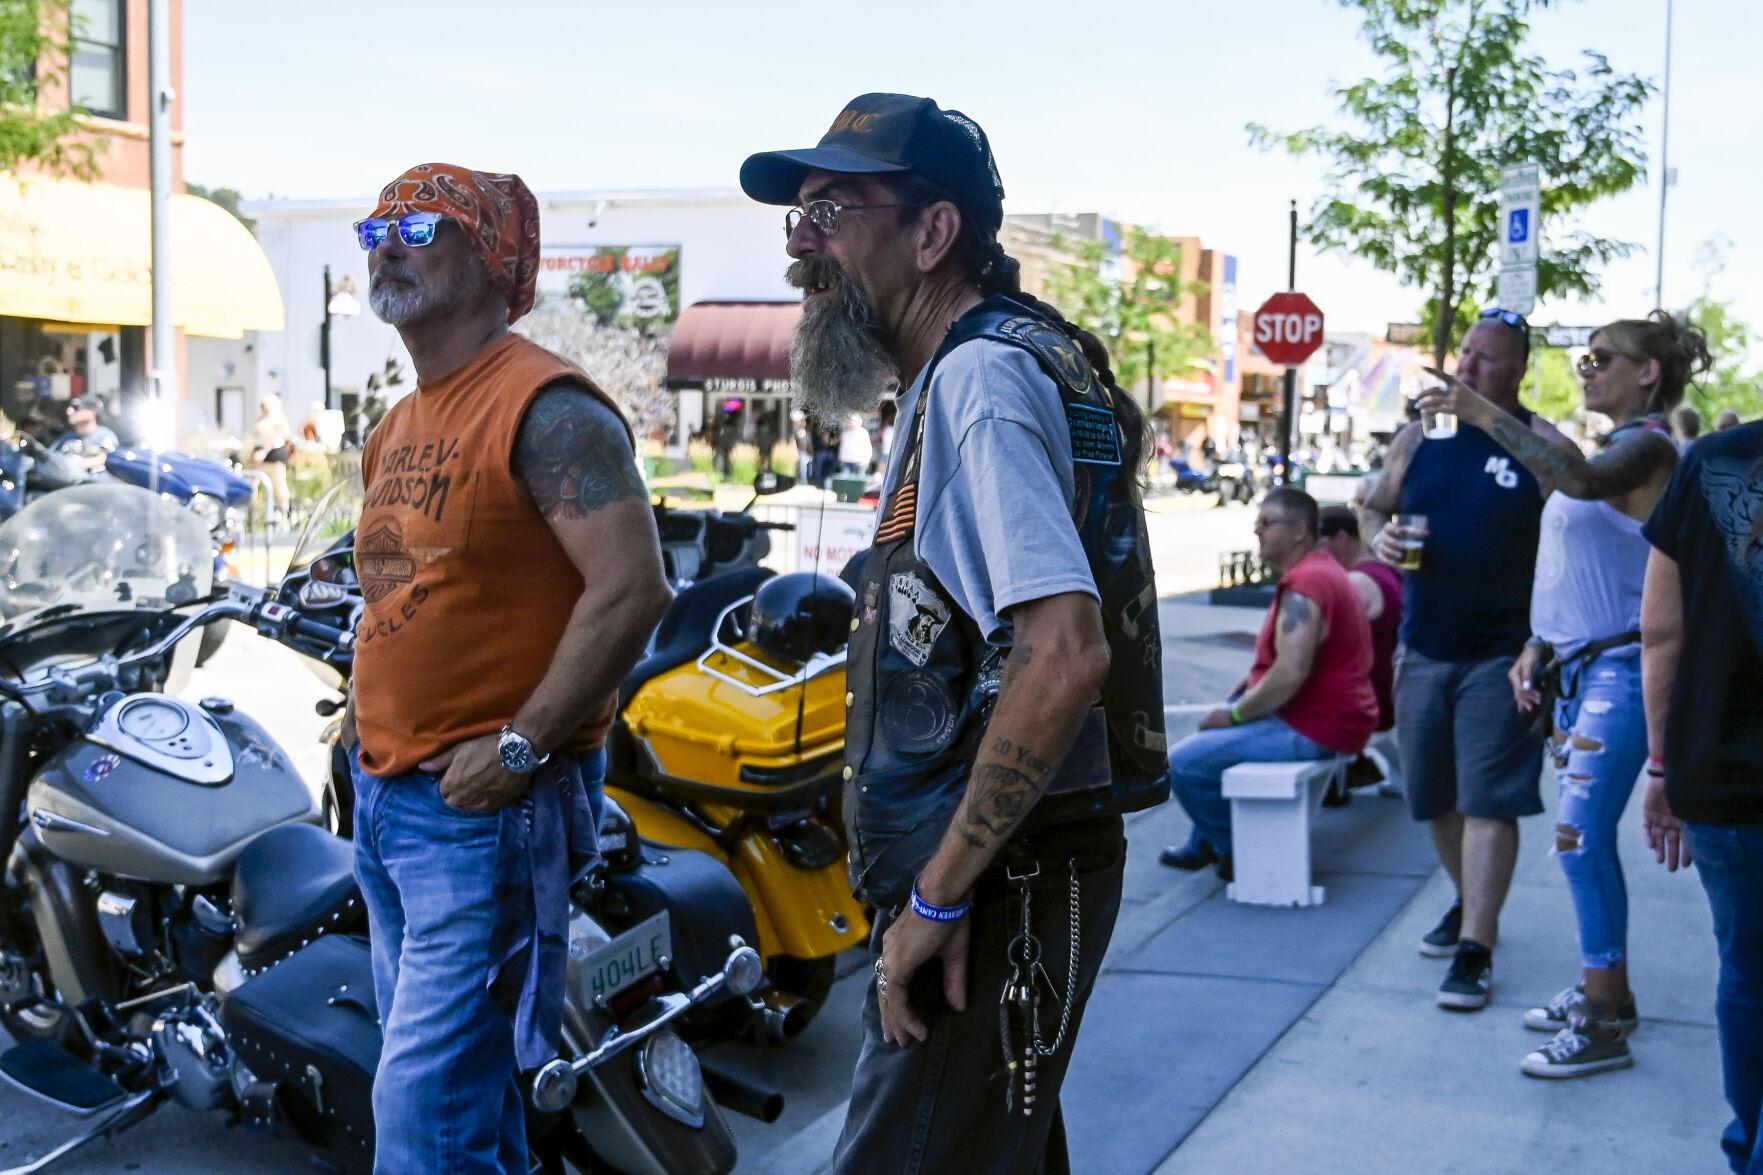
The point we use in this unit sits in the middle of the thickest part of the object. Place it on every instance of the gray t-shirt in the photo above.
(995, 483)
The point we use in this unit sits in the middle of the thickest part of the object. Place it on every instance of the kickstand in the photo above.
(134, 1110)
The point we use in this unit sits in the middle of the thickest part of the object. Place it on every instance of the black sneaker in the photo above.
(1441, 941)
(1471, 979)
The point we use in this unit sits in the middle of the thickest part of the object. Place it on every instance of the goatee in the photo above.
(836, 355)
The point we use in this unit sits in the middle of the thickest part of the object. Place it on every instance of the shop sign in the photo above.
(620, 285)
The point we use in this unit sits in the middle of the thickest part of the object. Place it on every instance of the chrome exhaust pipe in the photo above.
(783, 1015)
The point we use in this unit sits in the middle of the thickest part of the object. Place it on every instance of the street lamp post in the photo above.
(339, 302)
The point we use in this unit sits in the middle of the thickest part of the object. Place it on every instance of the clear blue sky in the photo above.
(1133, 109)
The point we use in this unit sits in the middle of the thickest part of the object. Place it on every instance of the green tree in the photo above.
(1550, 387)
(227, 198)
(1414, 178)
(34, 52)
(601, 291)
(1136, 316)
(1734, 382)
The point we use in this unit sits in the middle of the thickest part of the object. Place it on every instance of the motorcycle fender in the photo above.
(82, 965)
(663, 825)
(628, 1134)
(811, 913)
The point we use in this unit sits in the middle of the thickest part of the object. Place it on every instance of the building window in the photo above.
(96, 77)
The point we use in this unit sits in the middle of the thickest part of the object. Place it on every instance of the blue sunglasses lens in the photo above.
(418, 228)
(372, 233)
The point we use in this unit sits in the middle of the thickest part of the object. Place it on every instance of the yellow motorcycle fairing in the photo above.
(802, 913)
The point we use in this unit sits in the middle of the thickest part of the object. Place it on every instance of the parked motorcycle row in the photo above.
(179, 920)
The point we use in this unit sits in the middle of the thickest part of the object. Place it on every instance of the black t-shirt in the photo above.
(1709, 521)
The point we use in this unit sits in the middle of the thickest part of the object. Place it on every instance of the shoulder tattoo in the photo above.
(573, 455)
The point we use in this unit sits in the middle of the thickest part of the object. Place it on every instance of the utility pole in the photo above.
(1288, 419)
(162, 382)
(1664, 168)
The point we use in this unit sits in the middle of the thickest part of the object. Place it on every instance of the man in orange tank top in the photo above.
(511, 573)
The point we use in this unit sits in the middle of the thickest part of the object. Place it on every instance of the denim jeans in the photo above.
(445, 1098)
(1198, 762)
(1603, 744)
(939, 1106)
(1729, 860)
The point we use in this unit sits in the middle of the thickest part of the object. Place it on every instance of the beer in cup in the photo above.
(1411, 534)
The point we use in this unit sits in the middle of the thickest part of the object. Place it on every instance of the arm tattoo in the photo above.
(998, 797)
(573, 455)
(1294, 613)
(1543, 457)
(1022, 756)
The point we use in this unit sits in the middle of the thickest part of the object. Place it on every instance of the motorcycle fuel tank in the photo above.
(167, 791)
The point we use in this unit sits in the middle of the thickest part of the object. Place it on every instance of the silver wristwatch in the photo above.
(517, 753)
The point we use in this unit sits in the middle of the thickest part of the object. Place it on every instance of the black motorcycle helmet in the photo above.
(797, 615)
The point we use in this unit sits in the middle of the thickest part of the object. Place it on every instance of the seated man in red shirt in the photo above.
(1308, 695)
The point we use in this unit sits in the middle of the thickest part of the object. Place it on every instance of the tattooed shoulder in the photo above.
(1295, 612)
(573, 455)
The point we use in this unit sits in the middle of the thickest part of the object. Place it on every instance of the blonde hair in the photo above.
(1680, 348)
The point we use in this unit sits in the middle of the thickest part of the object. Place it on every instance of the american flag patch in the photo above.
(902, 514)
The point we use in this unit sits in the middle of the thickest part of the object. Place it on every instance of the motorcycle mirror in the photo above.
(744, 971)
(769, 482)
(316, 593)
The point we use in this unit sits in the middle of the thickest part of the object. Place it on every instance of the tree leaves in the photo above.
(1386, 165)
(34, 58)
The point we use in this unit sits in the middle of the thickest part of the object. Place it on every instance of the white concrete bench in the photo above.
(1270, 807)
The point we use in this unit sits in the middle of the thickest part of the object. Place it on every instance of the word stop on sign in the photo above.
(1287, 328)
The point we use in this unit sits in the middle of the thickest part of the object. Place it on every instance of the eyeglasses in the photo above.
(1510, 317)
(824, 215)
(1597, 359)
(415, 229)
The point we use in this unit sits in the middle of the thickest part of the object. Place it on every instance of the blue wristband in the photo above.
(937, 913)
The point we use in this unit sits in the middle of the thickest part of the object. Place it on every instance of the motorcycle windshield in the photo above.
(102, 548)
(324, 551)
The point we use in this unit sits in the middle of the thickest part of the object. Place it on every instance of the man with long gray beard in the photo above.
(1005, 662)
(508, 560)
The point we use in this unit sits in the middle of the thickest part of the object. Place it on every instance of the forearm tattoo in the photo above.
(1008, 781)
(1543, 457)
(573, 454)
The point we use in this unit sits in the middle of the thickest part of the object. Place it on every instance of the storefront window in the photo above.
(96, 77)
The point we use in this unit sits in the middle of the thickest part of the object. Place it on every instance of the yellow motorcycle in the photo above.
(730, 740)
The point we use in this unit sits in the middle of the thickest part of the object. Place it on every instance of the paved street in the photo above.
(1222, 1038)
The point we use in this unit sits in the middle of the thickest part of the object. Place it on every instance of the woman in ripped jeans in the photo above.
(1585, 614)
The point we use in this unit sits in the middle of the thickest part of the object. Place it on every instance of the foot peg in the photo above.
(50, 1072)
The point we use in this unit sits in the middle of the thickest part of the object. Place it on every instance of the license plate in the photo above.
(633, 955)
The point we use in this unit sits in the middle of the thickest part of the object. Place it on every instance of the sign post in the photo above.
(1521, 195)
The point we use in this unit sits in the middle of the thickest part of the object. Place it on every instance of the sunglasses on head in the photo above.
(415, 229)
(1510, 317)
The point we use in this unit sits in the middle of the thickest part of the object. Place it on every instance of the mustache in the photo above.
(816, 273)
(394, 271)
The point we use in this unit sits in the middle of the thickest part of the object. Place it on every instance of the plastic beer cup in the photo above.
(1413, 536)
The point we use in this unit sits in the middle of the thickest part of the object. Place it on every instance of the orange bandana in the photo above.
(497, 212)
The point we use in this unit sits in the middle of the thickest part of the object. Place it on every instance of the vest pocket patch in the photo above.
(918, 712)
(916, 615)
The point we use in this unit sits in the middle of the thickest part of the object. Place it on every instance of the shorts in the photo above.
(1465, 745)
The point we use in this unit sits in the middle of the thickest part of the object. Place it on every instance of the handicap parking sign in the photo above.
(1518, 226)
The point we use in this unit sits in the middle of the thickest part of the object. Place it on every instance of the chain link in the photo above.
(1070, 972)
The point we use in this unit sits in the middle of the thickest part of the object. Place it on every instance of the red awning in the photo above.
(732, 340)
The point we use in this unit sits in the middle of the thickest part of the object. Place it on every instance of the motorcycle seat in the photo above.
(291, 885)
(684, 631)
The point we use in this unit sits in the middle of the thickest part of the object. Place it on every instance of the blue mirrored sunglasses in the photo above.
(415, 229)
(1509, 317)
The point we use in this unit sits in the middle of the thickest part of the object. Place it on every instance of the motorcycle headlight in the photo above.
(210, 509)
(672, 1081)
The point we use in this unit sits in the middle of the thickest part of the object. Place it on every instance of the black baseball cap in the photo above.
(880, 134)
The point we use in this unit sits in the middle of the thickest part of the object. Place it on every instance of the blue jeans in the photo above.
(1603, 733)
(445, 1098)
(1729, 860)
(1198, 762)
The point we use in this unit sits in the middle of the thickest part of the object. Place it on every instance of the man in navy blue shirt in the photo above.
(1471, 759)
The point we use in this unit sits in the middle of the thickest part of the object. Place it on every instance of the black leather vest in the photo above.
(922, 677)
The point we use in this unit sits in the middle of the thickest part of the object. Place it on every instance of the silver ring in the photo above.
(881, 980)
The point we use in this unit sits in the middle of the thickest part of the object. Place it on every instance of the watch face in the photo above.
(516, 753)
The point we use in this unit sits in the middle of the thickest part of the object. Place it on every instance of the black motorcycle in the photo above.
(176, 926)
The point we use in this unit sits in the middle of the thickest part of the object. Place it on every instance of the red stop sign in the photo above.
(1288, 327)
